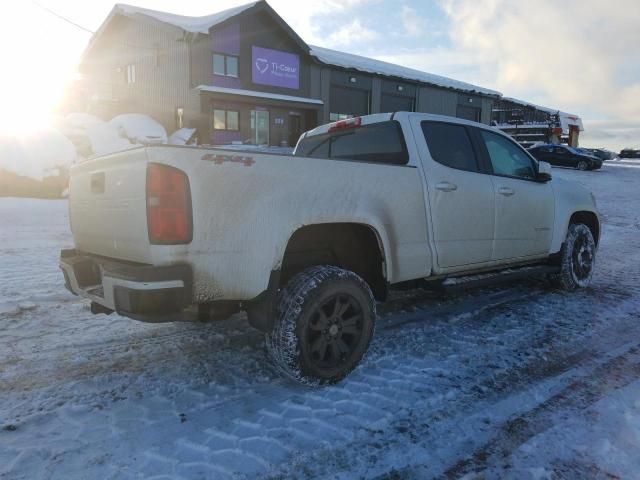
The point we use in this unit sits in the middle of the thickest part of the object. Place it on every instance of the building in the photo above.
(528, 123)
(243, 75)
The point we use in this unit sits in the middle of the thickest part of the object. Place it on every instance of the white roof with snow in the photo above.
(370, 65)
(189, 24)
(566, 119)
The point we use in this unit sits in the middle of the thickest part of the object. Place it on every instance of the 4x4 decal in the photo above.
(220, 159)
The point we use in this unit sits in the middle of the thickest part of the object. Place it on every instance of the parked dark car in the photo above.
(630, 153)
(564, 156)
(601, 153)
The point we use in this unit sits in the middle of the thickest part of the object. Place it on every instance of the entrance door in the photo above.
(295, 129)
(260, 127)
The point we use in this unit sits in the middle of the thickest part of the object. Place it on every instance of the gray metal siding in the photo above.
(437, 100)
(325, 85)
(376, 94)
(161, 59)
(201, 61)
(487, 109)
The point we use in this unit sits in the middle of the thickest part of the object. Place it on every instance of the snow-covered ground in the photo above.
(518, 382)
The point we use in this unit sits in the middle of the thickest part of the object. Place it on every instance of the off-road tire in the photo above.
(322, 306)
(582, 165)
(577, 259)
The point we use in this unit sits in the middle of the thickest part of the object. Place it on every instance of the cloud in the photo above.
(315, 21)
(412, 22)
(579, 56)
(351, 33)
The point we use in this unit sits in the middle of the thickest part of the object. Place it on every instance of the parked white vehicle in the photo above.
(306, 244)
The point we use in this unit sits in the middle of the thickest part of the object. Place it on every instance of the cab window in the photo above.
(381, 142)
(507, 158)
(450, 145)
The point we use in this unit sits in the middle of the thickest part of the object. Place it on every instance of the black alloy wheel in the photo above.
(335, 328)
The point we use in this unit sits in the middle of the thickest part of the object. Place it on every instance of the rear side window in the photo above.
(450, 145)
(381, 142)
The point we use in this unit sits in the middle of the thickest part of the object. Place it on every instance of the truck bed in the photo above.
(245, 207)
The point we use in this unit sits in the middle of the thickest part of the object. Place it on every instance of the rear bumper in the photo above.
(142, 292)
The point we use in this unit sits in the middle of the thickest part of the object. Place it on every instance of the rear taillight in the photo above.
(168, 205)
(346, 124)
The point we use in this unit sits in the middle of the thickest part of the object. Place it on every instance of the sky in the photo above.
(579, 56)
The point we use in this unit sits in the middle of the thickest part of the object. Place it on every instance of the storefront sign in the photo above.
(275, 68)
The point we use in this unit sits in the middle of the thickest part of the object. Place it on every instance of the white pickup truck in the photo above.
(306, 244)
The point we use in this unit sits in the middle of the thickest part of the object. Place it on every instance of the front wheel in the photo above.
(577, 258)
(582, 165)
(325, 319)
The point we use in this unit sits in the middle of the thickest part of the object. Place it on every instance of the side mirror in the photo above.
(544, 172)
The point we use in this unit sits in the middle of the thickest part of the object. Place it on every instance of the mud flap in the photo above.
(261, 310)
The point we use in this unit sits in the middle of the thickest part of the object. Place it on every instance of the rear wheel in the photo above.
(582, 165)
(325, 319)
(577, 258)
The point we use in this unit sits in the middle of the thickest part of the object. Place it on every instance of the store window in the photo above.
(226, 65)
(226, 119)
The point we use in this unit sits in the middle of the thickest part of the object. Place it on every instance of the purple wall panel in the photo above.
(226, 40)
(226, 82)
(222, 137)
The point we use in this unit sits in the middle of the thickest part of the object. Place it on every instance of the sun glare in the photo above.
(38, 55)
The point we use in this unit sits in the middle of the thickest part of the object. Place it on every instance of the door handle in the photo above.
(446, 186)
(507, 192)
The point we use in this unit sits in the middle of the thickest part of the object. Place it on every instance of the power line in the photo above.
(62, 17)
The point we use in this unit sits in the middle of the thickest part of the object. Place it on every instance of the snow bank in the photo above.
(182, 136)
(80, 135)
(38, 154)
(104, 138)
(139, 128)
(80, 121)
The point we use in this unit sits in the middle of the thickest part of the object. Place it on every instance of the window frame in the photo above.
(237, 112)
(480, 160)
(226, 66)
(487, 156)
(226, 119)
(225, 58)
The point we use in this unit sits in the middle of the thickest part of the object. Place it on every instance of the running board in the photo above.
(455, 284)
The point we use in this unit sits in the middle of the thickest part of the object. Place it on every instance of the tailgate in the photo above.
(107, 206)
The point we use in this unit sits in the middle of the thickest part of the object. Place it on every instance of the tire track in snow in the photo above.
(134, 353)
(579, 395)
